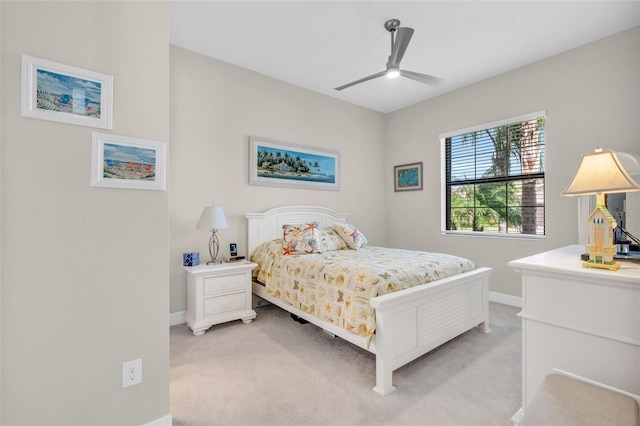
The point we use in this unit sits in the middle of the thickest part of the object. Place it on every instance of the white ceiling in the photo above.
(320, 45)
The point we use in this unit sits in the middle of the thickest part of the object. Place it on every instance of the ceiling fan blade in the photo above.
(422, 78)
(362, 80)
(403, 37)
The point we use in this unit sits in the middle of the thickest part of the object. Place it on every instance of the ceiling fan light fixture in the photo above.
(393, 73)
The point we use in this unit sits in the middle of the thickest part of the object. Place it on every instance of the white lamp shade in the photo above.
(600, 172)
(212, 217)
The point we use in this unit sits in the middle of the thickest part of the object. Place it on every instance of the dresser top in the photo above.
(566, 261)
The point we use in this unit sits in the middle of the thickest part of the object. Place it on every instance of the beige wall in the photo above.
(591, 96)
(85, 270)
(215, 107)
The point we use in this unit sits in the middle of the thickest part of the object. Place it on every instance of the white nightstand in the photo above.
(217, 294)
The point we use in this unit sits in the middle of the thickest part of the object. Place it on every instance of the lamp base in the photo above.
(610, 267)
(214, 262)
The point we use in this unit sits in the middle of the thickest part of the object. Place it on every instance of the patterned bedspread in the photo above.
(336, 285)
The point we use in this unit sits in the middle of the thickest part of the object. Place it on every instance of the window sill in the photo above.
(495, 235)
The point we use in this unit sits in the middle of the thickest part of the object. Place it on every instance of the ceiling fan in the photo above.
(400, 38)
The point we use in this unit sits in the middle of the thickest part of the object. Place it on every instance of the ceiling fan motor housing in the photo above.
(392, 25)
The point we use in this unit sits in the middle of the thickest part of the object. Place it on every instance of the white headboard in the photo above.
(267, 226)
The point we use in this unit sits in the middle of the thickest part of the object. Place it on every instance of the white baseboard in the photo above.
(505, 299)
(162, 421)
(177, 318)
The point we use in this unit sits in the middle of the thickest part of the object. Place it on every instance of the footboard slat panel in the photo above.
(416, 321)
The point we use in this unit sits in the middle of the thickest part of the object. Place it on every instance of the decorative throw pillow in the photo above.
(300, 239)
(330, 240)
(350, 234)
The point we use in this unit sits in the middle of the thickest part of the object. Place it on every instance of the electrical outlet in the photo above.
(131, 373)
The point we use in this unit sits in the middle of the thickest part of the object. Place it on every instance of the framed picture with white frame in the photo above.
(66, 94)
(275, 163)
(130, 163)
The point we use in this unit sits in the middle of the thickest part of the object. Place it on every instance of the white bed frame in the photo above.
(409, 323)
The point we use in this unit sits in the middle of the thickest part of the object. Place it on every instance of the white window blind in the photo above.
(493, 178)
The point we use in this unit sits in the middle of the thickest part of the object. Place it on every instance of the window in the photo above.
(494, 178)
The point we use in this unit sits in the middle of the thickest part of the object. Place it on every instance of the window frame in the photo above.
(443, 178)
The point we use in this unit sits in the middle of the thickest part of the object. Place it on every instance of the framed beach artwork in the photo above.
(274, 163)
(123, 162)
(408, 177)
(57, 92)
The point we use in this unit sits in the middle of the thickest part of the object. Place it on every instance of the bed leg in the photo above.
(384, 353)
(484, 327)
(384, 378)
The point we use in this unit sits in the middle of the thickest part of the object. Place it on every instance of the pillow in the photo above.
(350, 234)
(300, 239)
(330, 240)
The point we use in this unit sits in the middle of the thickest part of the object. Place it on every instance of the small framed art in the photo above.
(123, 162)
(58, 92)
(408, 177)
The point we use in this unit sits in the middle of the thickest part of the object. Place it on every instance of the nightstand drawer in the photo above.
(216, 305)
(225, 284)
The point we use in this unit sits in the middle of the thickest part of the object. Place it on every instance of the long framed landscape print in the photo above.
(407, 177)
(274, 163)
(58, 92)
(123, 162)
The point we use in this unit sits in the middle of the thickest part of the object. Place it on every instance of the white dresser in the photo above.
(217, 294)
(582, 320)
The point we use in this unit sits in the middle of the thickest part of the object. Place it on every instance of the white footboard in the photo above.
(415, 321)
(412, 322)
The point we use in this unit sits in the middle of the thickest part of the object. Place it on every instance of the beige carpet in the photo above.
(275, 371)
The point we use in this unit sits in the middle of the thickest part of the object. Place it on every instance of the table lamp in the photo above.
(212, 218)
(600, 173)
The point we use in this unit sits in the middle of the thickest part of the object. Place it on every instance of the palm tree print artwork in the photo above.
(280, 164)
